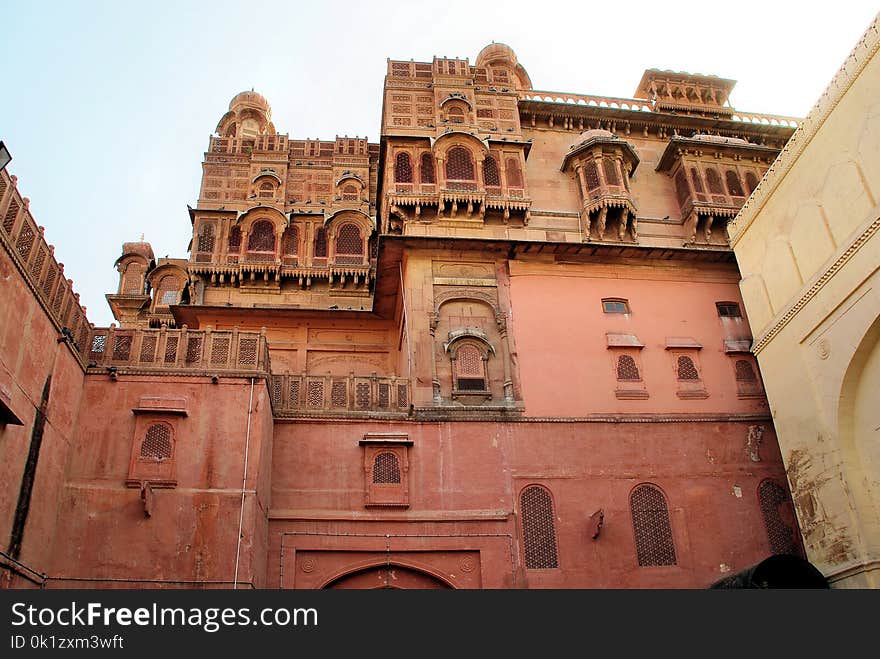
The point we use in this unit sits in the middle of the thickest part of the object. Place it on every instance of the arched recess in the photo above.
(160, 279)
(132, 274)
(247, 219)
(858, 419)
(441, 146)
(395, 574)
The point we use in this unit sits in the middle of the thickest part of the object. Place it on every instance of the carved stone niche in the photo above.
(386, 469)
(469, 350)
(602, 164)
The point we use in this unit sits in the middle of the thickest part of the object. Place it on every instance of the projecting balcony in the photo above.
(320, 395)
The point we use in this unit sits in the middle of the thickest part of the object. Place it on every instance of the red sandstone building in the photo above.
(503, 348)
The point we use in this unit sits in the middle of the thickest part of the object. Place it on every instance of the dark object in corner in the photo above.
(780, 571)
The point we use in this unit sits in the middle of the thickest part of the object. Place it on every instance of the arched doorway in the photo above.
(388, 576)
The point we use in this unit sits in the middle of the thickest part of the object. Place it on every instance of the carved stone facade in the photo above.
(460, 352)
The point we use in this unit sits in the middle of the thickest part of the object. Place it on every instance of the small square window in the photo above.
(728, 310)
(615, 306)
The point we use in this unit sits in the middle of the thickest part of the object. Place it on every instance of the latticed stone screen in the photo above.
(290, 242)
(652, 528)
(219, 350)
(247, 351)
(514, 173)
(49, 282)
(293, 392)
(681, 188)
(686, 369)
(206, 238)
(349, 240)
(733, 184)
(781, 536)
(167, 290)
(362, 395)
(402, 399)
(350, 193)
(37, 264)
(122, 347)
(9, 219)
(610, 172)
(171, 349)
(386, 468)
(133, 280)
(538, 528)
(157, 442)
(262, 238)
(713, 180)
(148, 348)
(384, 395)
(697, 181)
(235, 240)
(591, 174)
(193, 349)
(490, 172)
(315, 393)
(403, 172)
(627, 369)
(469, 372)
(25, 242)
(459, 164)
(339, 393)
(428, 175)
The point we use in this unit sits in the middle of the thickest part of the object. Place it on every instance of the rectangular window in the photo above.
(615, 306)
(728, 309)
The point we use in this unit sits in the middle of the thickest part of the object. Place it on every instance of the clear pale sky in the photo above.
(107, 106)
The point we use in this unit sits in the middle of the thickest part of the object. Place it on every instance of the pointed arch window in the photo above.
(262, 238)
(267, 190)
(627, 368)
(133, 279)
(591, 174)
(469, 368)
(651, 525)
(386, 468)
(157, 442)
(686, 369)
(751, 182)
(713, 180)
(167, 291)
(403, 168)
(610, 169)
(427, 169)
(538, 528)
(350, 193)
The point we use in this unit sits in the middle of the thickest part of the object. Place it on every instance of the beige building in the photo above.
(808, 247)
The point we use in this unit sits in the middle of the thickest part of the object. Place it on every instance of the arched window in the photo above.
(682, 192)
(751, 182)
(591, 174)
(459, 165)
(133, 279)
(469, 370)
(610, 169)
(320, 242)
(781, 536)
(514, 173)
(455, 115)
(538, 528)
(403, 168)
(491, 176)
(713, 180)
(696, 181)
(744, 371)
(156, 444)
(386, 468)
(267, 190)
(428, 175)
(349, 244)
(734, 187)
(627, 369)
(167, 291)
(262, 238)
(653, 531)
(686, 369)
(235, 240)
(206, 238)
(290, 242)
(350, 193)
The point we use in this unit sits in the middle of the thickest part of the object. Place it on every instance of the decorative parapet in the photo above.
(35, 260)
(294, 395)
(183, 350)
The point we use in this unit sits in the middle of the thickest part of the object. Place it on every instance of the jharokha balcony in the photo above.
(180, 350)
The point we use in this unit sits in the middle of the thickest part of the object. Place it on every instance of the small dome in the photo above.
(593, 133)
(250, 99)
(718, 139)
(494, 52)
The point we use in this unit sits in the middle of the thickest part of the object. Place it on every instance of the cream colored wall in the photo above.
(809, 252)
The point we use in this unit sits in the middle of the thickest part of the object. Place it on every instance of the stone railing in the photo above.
(249, 144)
(23, 240)
(304, 393)
(178, 349)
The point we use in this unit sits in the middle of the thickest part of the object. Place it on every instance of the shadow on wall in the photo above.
(780, 571)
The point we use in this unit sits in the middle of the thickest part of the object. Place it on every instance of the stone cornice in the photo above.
(863, 52)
